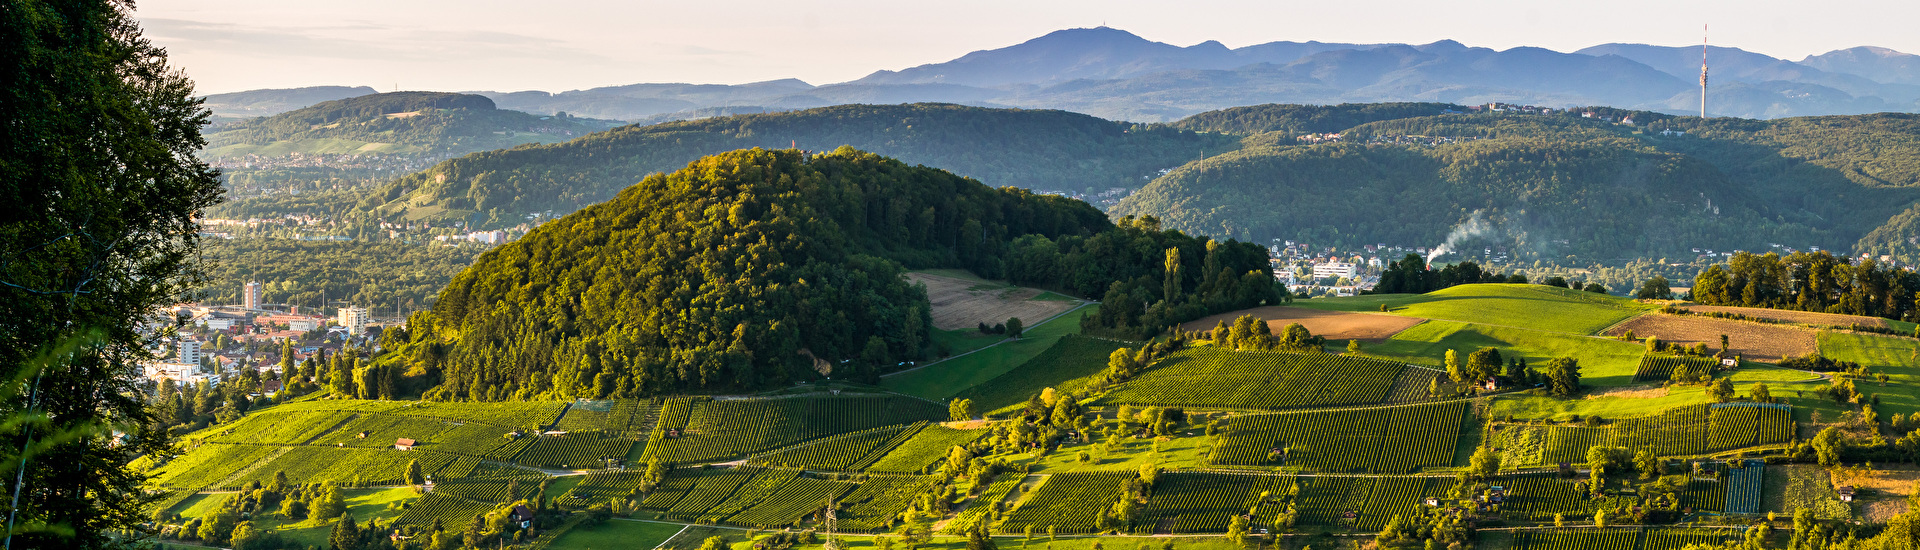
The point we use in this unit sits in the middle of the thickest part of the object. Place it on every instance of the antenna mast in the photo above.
(1703, 71)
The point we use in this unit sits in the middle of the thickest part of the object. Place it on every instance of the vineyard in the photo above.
(1614, 539)
(1538, 498)
(1660, 368)
(982, 507)
(575, 450)
(1393, 440)
(1204, 503)
(623, 417)
(723, 429)
(928, 446)
(1681, 431)
(1211, 377)
(852, 451)
(1744, 486)
(879, 500)
(1068, 503)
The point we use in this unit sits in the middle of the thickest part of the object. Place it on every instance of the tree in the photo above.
(1563, 376)
(979, 539)
(960, 409)
(1237, 530)
(1484, 462)
(1827, 446)
(1760, 393)
(414, 476)
(1648, 464)
(1014, 328)
(1454, 370)
(1483, 364)
(327, 504)
(714, 543)
(1353, 347)
(97, 231)
(1556, 280)
(1721, 390)
(1600, 519)
(346, 535)
(1595, 288)
(1654, 288)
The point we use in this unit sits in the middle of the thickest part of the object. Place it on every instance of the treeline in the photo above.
(1048, 150)
(1292, 120)
(1815, 281)
(425, 127)
(1410, 275)
(753, 268)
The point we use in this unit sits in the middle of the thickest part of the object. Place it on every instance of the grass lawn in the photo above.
(1895, 357)
(1537, 404)
(964, 340)
(617, 534)
(1538, 307)
(362, 504)
(1068, 365)
(1603, 361)
(946, 378)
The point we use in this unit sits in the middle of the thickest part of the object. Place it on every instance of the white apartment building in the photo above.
(250, 295)
(1334, 269)
(355, 319)
(189, 351)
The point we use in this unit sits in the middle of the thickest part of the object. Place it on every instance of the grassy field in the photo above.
(962, 341)
(941, 380)
(1898, 358)
(1603, 361)
(1537, 307)
(1066, 366)
(617, 534)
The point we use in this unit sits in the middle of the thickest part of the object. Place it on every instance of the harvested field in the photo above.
(1787, 316)
(1335, 325)
(1755, 341)
(962, 304)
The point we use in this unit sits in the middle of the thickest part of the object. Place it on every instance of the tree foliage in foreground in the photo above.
(101, 184)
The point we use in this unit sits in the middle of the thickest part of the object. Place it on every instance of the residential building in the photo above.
(1334, 269)
(354, 319)
(250, 295)
(189, 351)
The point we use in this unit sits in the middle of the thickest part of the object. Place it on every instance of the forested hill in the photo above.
(750, 268)
(1556, 185)
(1044, 150)
(1291, 120)
(416, 123)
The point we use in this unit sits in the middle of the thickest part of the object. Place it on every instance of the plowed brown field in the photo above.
(963, 304)
(1335, 325)
(1754, 341)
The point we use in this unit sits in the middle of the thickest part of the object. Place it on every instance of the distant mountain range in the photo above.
(1115, 74)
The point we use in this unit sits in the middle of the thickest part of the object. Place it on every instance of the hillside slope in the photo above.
(747, 269)
(411, 123)
(1045, 150)
(1553, 186)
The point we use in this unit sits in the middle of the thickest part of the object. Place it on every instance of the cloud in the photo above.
(364, 41)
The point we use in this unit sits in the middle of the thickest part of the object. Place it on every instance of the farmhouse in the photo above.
(404, 444)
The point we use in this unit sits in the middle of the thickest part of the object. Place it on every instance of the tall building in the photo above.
(355, 319)
(250, 295)
(189, 351)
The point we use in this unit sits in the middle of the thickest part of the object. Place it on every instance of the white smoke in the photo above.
(1476, 226)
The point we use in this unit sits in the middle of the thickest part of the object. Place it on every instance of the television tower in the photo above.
(1703, 71)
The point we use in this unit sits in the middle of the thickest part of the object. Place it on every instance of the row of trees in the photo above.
(1815, 281)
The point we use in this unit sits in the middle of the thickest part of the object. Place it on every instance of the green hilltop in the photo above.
(754, 268)
(397, 123)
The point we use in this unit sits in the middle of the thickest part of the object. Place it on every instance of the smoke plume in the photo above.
(1475, 227)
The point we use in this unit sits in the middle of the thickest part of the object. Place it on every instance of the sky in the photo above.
(559, 45)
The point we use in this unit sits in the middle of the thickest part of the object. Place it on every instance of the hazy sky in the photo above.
(231, 45)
